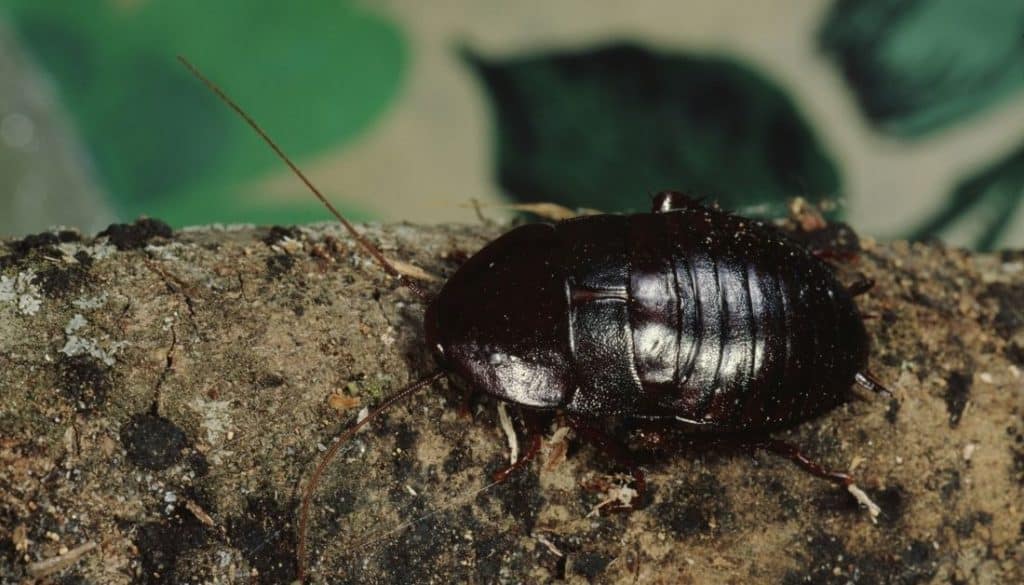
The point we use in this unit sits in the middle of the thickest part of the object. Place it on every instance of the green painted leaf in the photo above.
(315, 74)
(606, 128)
(919, 66)
(987, 203)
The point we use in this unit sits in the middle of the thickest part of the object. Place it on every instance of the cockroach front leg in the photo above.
(527, 456)
(533, 429)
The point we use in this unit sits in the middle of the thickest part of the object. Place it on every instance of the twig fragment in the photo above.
(54, 564)
(510, 433)
(862, 497)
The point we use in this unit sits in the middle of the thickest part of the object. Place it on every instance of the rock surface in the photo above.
(162, 399)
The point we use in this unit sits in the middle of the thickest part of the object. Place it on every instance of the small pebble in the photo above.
(969, 449)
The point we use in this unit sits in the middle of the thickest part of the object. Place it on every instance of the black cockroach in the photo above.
(687, 317)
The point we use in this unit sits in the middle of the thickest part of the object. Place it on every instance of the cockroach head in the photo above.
(500, 322)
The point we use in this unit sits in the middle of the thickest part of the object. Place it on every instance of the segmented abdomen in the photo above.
(704, 317)
(733, 325)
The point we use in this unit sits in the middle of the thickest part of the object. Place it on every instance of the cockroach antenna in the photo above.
(370, 248)
(307, 496)
(406, 392)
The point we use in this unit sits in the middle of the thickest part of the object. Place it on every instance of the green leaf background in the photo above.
(600, 125)
(316, 77)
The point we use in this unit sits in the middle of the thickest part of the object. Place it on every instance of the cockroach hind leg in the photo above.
(793, 453)
(465, 408)
(839, 478)
(844, 480)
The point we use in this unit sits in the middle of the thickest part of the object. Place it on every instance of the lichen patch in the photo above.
(103, 348)
(22, 292)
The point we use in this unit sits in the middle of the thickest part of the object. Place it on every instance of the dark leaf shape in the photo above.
(605, 128)
(917, 67)
(988, 202)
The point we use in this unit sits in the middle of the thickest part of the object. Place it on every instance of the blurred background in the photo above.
(908, 114)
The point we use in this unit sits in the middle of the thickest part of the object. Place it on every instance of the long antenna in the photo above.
(373, 250)
(314, 479)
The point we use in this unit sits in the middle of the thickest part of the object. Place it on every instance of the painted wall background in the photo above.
(910, 114)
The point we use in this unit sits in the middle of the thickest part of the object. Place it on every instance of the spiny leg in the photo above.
(533, 429)
(705, 442)
(793, 453)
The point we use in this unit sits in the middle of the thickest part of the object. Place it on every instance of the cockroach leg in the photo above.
(465, 409)
(307, 496)
(793, 453)
(869, 381)
(835, 255)
(839, 478)
(863, 285)
(549, 211)
(527, 456)
(618, 452)
(668, 201)
(479, 211)
(456, 257)
(534, 430)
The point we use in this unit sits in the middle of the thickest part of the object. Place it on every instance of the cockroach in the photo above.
(687, 317)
